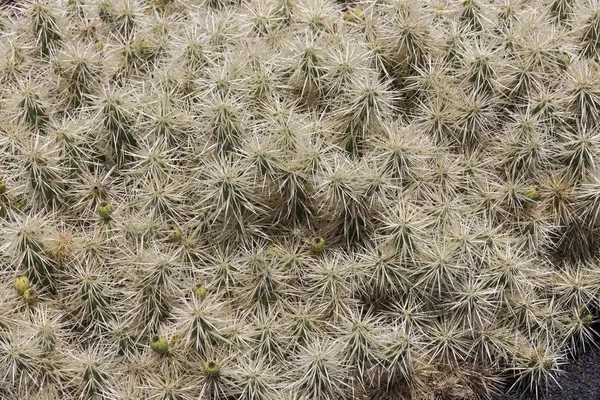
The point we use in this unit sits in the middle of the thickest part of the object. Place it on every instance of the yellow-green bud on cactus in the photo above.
(159, 344)
(274, 252)
(21, 204)
(351, 16)
(317, 244)
(200, 291)
(175, 235)
(212, 368)
(30, 296)
(532, 194)
(547, 364)
(2, 186)
(142, 49)
(21, 284)
(105, 209)
(564, 61)
(588, 319)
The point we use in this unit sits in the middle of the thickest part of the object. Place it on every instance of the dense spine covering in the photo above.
(313, 199)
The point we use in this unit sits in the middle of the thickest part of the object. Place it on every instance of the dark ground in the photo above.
(580, 381)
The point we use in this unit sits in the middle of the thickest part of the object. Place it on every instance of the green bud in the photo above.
(2, 186)
(159, 344)
(175, 235)
(200, 291)
(317, 244)
(532, 194)
(143, 49)
(212, 369)
(588, 319)
(351, 16)
(31, 297)
(564, 61)
(21, 284)
(21, 204)
(105, 209)
(274, 252)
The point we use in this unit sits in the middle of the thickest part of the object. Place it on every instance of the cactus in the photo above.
(296, 199)
(45, 26)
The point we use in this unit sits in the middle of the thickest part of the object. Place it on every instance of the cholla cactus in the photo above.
(296, 199)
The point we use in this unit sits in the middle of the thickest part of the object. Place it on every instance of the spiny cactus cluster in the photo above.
(281, 199)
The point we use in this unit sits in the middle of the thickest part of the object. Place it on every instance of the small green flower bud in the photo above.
(200, 291)
(274, 252)
(175, 235)
(212, 368)
(143, 50)
(2, 186)
(564, 61)
(588, 319)
(21, 284)
(317, 244)
(532, 194)
(21, 204)
(105, 209)
(547, 364)
(352, 15)
(30, 296)
(159, 344)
